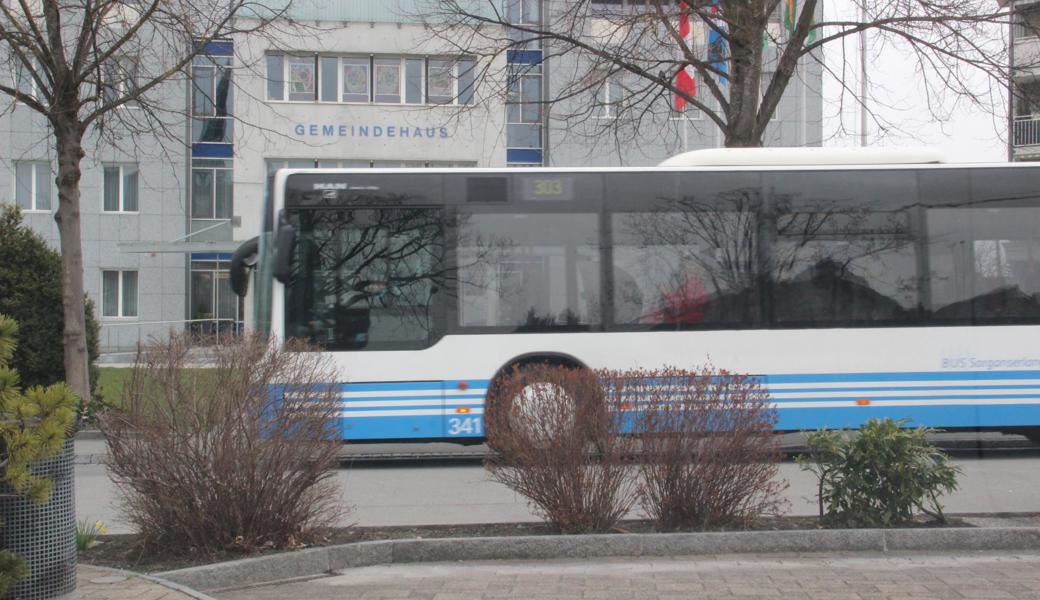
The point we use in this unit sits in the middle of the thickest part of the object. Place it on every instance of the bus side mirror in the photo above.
(242, 261)
(284, 242)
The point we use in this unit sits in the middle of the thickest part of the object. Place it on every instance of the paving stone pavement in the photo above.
(890, 576)
(104, 584)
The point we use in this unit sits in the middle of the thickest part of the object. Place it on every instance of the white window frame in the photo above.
(121, 193)
(33, 192)
(124, 86)
(402, 82)
(119, 294)
(34, 88)
(400, 79)
(606, 106)
(370, 85)
(213, 190)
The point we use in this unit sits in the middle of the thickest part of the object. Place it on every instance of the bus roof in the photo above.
(772, 157)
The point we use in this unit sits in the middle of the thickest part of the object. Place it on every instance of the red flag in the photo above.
(685, 79)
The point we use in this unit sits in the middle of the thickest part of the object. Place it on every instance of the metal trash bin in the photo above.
(44, 535)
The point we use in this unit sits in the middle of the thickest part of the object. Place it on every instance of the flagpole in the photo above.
(863, 77)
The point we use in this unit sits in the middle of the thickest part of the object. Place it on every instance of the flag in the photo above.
(685, 78)
(717, 51)
(791, 20)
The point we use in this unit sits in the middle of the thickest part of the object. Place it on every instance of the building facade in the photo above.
(352, 84)
(1024, 96)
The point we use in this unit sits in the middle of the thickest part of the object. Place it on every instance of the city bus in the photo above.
(856, 286)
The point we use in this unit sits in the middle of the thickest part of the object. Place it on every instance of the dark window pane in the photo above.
(842, 247)
(524, 136)
(984, 264)
(366, 278)
(43, 186)
(532, 272)
(466, 81)
(329, 78)
(202, 295)
(202, 194)
(23, 185)
(685, 269)
(202, 91)
(275, 77)
(224, 191)
(111, 189)
(130, 188)
(110, 293)
(129, 294)
(413, 83)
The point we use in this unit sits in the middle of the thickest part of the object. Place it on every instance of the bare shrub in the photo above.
(556, 442)
(708, 457)
(234, 452)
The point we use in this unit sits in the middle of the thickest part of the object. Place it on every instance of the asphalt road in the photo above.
(424, 494)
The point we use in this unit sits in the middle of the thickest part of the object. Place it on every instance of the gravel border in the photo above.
(319, 561)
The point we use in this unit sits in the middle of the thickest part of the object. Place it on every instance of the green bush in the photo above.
(30, 293)
(879, 477)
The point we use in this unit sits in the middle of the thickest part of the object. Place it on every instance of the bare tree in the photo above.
(742, 54)
(79, 63)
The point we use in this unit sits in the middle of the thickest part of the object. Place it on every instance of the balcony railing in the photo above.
(1027, 130)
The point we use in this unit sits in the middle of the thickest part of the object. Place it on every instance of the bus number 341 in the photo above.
(466, 426)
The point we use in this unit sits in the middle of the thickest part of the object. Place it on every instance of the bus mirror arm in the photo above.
(284, 242)
(243, 259)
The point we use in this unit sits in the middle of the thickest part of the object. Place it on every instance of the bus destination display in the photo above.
(545, 188)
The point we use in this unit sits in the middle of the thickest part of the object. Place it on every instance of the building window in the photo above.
(120, 78)
(32, 185)
(212, 189)
(355, 163)
(1027, 22)
(524, 107)
(302, 78)
(608, 98)
(214, 307)
(25, 82)
(119, 293)
(119, 188)
(524, 11)
(211, 99)
(366, 79)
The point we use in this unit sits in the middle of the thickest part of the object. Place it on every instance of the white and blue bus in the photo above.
(877, 287)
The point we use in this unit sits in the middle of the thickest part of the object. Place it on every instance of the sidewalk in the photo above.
(799, 576)
(94, 583)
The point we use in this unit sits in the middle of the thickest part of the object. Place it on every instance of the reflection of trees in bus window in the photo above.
(843, 264)
(533, 272)
(984, 263)
(365, 277)
(692, 265)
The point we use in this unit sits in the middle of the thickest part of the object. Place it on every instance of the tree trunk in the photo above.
(69, 138)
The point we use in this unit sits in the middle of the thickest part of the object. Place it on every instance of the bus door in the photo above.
(366, 279)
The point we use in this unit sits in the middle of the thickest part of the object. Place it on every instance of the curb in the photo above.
(319, 561)
(177, 587)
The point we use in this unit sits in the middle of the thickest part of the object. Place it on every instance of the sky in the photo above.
(965, 133)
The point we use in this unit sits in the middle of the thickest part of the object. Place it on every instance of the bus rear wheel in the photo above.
(530, 402)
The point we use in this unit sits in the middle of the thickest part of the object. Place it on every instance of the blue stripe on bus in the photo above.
(930, 416)
(904, 388)
(918, 376)
(392, 386)
(385, 428)
(350, 399)
(939, 397)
